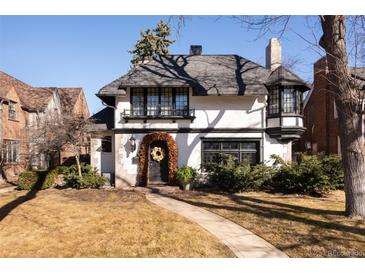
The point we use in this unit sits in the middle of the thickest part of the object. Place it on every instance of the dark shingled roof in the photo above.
(206, 74)
(103, 119)
(282, 75)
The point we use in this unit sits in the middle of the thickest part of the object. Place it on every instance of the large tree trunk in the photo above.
(350, 119)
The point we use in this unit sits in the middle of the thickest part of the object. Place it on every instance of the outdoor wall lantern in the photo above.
(132, 142)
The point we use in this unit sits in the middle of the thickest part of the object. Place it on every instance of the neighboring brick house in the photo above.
(73, 101)
(320, 113)
(23, 106)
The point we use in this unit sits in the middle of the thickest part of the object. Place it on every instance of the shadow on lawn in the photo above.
(256, 206)
(6, 209)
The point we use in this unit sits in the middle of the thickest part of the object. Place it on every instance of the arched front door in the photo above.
(158, 162)
(163, 167)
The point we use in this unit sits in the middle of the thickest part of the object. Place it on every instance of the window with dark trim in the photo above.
(106, 144)
(10, 152)
(274, 101)
(12, 110)
(284, 99)
(288, 100)
(137, 101)
(160, 101)
(216, 151)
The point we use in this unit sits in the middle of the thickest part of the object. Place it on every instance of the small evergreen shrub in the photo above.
(233, 177)
(90, 177)
(186, 174)
(37, 179)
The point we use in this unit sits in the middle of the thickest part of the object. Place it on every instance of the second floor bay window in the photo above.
(164, 101)
(284, 100)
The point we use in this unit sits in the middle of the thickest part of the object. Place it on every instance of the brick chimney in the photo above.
(273, 54)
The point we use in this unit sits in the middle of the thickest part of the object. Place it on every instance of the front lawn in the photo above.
(301, 226)
(97, 223)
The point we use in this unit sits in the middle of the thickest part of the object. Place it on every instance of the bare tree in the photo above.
(50, 135)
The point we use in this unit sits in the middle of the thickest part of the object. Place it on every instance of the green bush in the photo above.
(332, 167)
(37, 179)
(233, 177)
(311, 175)
(87, 181)
(186, 174)
(90, 177)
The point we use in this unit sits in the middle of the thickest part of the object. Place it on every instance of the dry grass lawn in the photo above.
(97, 223)
(301, 226)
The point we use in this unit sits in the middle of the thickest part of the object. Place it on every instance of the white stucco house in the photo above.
(191, 109)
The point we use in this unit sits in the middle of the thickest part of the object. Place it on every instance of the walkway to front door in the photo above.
(241, 241)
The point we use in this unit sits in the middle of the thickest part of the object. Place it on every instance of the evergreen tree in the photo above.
(152, 43)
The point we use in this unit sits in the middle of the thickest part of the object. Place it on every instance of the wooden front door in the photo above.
(158, 160)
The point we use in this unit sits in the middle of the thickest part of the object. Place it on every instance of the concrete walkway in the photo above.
(7, 189)
(242, 242)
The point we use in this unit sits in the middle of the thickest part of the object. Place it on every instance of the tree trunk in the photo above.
(347, 101)
(77, 157)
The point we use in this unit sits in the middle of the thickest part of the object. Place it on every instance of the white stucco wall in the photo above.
(218, 112)
(189, 151)
(210, 111)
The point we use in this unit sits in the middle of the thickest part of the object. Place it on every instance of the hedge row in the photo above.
(313, 175)
(42, 179)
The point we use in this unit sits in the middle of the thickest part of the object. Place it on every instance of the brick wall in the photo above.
(319, 115)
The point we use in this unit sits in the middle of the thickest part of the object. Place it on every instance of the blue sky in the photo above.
(91, 51)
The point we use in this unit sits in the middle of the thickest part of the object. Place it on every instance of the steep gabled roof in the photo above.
(206, 74)
(282, 75)
(68, 96)
(7, 82)
(35, 99)
(38, 98)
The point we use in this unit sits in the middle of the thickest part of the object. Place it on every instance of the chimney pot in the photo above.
(196, 50)
(273, 54)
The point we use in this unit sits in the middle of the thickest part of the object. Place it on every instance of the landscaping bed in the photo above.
(97, 223)
(299, 225)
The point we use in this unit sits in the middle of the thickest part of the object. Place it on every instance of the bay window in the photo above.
(284, 100)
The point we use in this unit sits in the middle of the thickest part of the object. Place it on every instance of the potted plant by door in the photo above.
(186, 176)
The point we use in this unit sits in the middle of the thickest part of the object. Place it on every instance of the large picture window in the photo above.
(216, 151)
(160, 101)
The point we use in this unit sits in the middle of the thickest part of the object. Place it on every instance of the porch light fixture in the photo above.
(132, 142)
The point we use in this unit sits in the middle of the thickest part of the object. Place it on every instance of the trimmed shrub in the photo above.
(37, 179)
(186, 174)
(308, 176)
(87, 181)
(90, 177)
(234, 177)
